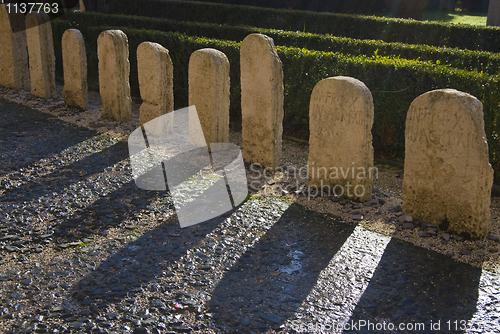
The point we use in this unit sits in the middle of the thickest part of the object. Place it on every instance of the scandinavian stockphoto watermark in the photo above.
(334, 181)
(204, 181)
(376, 327)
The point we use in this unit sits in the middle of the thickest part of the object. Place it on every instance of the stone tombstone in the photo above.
(42, 61)
(209, 92)
(75, 69)
(114, 71)
(14, 71)
(493, 18)
(447, 175)
(261, 100)
(340, 141)
(155, 72)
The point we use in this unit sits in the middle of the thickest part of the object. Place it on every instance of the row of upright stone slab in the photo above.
(13, 51)
(447, 178)
(31, 35)
(21, 36)
(447, 175)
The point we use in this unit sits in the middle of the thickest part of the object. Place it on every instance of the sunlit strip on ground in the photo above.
(148, 159)
(82, 194)
(194, 186)
(486, 320)
(232, 238)
(64, 158)
(355, 264)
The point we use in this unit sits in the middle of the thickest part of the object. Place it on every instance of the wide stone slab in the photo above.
(447, 176)
(340, 142)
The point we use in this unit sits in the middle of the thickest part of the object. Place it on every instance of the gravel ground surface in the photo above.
(83, 250)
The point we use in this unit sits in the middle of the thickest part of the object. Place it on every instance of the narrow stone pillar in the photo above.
(261, 100)
(13, 50)
(41, 55)
(447, 175)
(75, 69)
(493, 13)
(114, 71)
(209, 92)
(340, 142)
(155, 70)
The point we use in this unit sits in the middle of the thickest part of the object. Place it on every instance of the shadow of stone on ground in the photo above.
(415, 285)
(113, 210)
(63, 177)
(139, 262)
(269, 282)
(28, 135)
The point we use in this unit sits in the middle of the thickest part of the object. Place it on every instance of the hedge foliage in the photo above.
(338, 6)
(469, 60)
(344, 25)
(394, 83)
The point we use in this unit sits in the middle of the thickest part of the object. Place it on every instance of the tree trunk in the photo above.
(493, 13)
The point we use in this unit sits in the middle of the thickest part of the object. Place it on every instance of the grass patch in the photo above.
(474, 19)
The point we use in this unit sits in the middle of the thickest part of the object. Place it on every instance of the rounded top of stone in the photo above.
(467, 100)
(157, 48)
(210, 51)
(351, 80)
(259, 38)
(34, 19)
(113, 33)
(73, 33)
(349, 83)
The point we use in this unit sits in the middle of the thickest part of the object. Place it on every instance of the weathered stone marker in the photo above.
(114, 71)
(340, 142)
(261, 100)
(75, 69)
(447, 177)
(14, 71)
(155, 71)
(209, 92)
(41, 55)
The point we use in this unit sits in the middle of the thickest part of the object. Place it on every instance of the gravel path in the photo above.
(83, 250)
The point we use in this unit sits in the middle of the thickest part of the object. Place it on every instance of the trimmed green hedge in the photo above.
(394, 83)
(463, 59)
(338, 6)
(345, 25)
